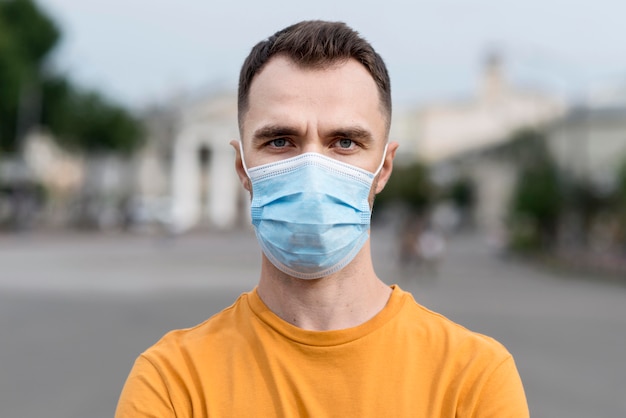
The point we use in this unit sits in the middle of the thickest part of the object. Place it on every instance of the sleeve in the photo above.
(502, 395)
(144, 394)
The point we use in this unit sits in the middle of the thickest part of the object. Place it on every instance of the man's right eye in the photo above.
(278, 142)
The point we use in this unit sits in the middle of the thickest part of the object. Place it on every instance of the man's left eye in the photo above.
(345, 143)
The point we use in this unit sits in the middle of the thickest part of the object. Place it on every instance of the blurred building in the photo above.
(183, 177)
(589, 143)
(455, 137)
(36, 184)
(448, 130)
(59, 172)
(185, 173)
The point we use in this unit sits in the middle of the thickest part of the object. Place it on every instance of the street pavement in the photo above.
(77, 309)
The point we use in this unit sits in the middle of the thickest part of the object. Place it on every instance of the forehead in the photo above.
(284, 88)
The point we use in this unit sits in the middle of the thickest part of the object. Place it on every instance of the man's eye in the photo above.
(345, 143)
(278, 143)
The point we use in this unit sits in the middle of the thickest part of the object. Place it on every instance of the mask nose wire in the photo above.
(245, 168)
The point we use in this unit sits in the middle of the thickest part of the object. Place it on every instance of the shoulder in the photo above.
(224, 325)
(447, 336)
(165, 378)
(478, 371)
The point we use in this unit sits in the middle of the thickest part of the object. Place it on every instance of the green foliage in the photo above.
(11, 71)
(81, 120)
(34, 33)
(87, 121)
(410, 186)
(526, 148)
(537, 194)
(463, 193)
(621, 186)
(621, 197)
(585, 199)
(537, 198)
(27, 36)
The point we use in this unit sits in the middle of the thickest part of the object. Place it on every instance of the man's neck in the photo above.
(344, 300)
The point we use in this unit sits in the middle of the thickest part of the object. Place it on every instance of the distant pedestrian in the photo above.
(408, 237)
(432, 249)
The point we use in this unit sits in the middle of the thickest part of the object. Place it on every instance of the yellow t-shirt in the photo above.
(246, 362)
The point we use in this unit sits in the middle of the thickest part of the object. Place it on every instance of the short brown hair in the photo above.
(315, 44)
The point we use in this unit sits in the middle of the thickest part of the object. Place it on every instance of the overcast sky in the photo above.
(138, 51)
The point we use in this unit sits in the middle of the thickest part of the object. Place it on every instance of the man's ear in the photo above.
(241, 172)
(387, 168)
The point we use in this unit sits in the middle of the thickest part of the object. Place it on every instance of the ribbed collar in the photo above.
(327, 338)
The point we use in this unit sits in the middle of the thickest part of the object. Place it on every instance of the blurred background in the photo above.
(121, 216)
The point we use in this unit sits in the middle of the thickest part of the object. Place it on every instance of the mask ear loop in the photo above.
(243, 161)
(381, 163)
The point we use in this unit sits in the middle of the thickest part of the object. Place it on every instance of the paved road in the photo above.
(76, 310)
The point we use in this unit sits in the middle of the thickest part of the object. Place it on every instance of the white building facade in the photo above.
(450, 129)
(189, 163)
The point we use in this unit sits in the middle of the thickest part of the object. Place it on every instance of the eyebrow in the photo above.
(273, 131)
(277, 131)
(353, 132)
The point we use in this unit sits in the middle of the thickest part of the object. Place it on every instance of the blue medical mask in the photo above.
(311, 213)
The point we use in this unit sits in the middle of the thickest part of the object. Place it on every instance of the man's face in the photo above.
(333, 111)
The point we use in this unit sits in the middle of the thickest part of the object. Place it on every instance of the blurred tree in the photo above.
(35, 33)
(584, 198)
(463, 193)
(621, 186)
(410, 192)
(27, 36)
(527, 148)
(87, 121)
(536, 202)
(30, 94)
(409, 186)
(621, 204)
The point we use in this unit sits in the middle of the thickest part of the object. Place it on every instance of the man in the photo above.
(321, 335)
